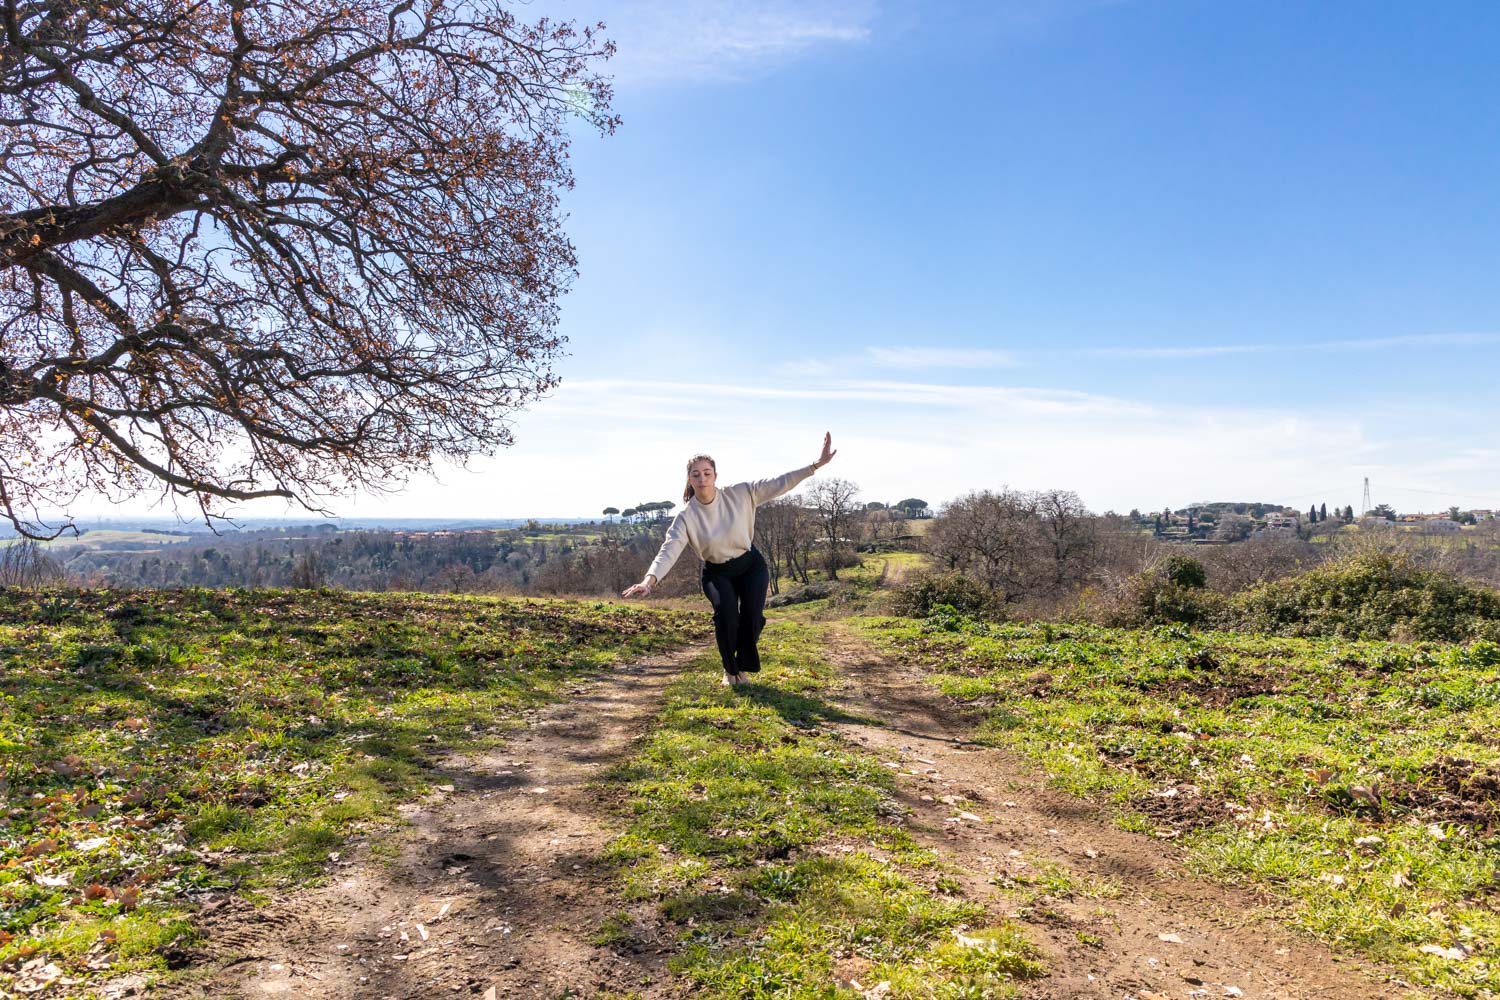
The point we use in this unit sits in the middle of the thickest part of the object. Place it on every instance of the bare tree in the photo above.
(880, 525)
(1069, 532)
(1260, 558)
(836, 502)
(990, 536)
(785, 532)
(803, 538)
(25, 564)
(775, 523)
(275, 249)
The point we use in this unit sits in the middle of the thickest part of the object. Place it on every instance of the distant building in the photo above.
(1376, 522)
(1281, 522)
(1440, 526)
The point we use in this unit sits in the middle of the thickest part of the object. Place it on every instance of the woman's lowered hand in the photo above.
(642, 589)
(828, 452)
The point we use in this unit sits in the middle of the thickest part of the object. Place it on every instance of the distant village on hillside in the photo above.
(1222, 523)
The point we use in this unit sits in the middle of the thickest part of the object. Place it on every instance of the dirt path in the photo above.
(494, 885)
(1168, 935)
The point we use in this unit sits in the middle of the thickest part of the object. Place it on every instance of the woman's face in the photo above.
(702, 475)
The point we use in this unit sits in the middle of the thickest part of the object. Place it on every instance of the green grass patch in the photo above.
(158, 746)
(1360, 780)
(778, 851)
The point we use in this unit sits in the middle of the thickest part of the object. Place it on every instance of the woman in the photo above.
(720, 526)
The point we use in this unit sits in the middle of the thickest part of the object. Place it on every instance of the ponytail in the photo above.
(687, 491)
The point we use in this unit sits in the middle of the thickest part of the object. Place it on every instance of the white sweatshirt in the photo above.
(725, 528)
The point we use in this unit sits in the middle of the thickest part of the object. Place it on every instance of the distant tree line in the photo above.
(441, 562)
(815, 532)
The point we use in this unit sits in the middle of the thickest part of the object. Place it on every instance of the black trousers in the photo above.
(737, 590)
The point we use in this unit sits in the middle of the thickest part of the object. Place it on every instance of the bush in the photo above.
(947, 618)
(919, 597)
(1173, 593)
(801, 595)
(1156, 600)
(1185, 571)
(1371, 596)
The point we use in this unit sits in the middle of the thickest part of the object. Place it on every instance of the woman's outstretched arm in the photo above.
(766, 490)
(642, 589)
(671, 548)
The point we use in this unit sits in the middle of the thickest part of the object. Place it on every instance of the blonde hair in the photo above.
(687, 493)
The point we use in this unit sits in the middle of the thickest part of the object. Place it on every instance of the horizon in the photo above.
(480, 521)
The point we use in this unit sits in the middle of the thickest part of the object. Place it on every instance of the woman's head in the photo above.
(701, 471)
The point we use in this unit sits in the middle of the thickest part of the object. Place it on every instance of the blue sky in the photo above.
(1154, 252)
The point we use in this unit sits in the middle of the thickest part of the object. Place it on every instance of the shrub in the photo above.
(1371, 596)
(1185, 571)
(947, 618)
(1173, 593)
(920, 596)
(1156, 600)
(801, 595)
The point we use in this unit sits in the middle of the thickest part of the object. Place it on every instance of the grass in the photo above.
(776, 850)
(155, 747)
(861, 587)
(1358, 780)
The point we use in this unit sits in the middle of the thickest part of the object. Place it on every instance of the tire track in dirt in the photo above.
(1219, 939)
(494, 884)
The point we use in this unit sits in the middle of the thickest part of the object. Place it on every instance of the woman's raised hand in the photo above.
(828, 451)
(642, 589)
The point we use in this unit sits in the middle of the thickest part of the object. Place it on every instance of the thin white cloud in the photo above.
(939, 357)
(1413, 340)
(807, 366)
(1353, 344)
(596, 443)
(645, 396)
(971, 358)
(1172, 353)
(670, 41)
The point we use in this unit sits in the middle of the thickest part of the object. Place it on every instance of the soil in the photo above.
(495, 884)
(1453, 790)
